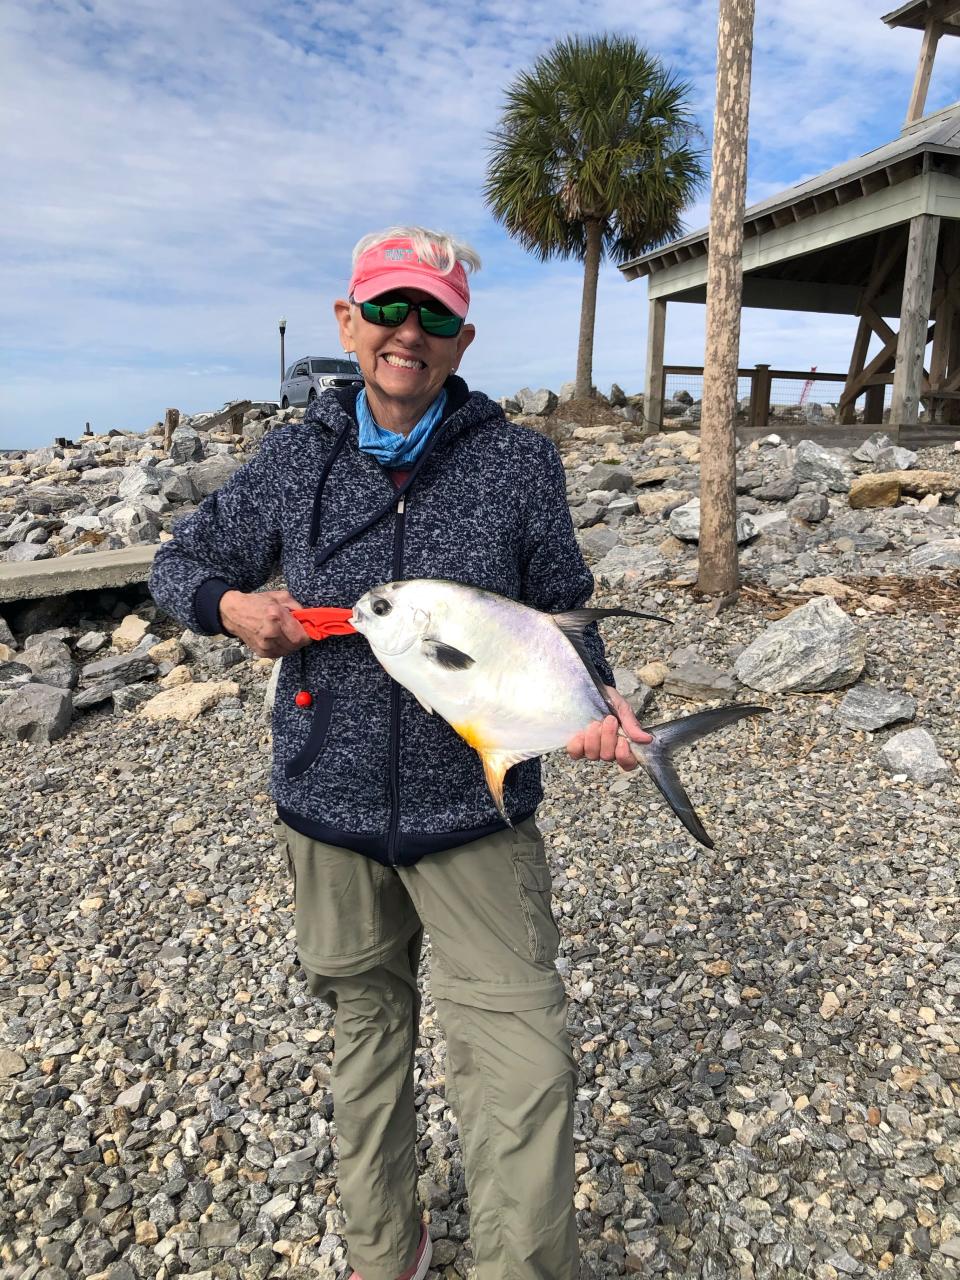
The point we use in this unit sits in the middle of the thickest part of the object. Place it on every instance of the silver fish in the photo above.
(512, 681)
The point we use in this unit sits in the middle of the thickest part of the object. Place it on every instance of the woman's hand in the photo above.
(263, 621)
(601, 740)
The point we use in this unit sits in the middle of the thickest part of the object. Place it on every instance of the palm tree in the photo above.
(596, 154)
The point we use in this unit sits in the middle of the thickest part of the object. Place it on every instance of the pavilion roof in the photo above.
(933, 141)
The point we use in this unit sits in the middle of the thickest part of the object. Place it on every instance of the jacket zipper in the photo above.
(392, 840)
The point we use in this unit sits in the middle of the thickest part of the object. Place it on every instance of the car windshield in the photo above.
(334, 367)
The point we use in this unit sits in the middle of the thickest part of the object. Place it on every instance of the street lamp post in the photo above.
(283, 364)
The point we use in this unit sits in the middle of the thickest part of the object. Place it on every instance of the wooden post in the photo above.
(719, 572)
(236, 422)
(653, 394)
(945, 315)
(171, 420)
(921, 82)
(914, 318)
(760, 397)
(873, 405)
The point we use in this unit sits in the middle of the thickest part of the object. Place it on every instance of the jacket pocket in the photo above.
(320, 723)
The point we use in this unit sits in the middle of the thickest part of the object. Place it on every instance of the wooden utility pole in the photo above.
(719, 573)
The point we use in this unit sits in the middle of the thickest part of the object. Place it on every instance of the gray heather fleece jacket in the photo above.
(365, 767)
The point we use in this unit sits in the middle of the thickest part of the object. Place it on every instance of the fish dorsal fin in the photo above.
(445, 655)
(572, 624)
(495, 766)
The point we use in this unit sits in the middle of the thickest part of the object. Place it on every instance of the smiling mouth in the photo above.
(403, 362)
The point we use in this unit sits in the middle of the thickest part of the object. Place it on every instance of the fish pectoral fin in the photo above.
(445, 655)
(495, 766)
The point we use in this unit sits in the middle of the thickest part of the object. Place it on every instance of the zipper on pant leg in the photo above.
(395, 703)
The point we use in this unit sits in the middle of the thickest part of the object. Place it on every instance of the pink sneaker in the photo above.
(420, 1265)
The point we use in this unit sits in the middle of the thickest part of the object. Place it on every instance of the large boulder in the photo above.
(37, 713)
(139, 479)
(629, 566)
(536, 402)
(816, 647)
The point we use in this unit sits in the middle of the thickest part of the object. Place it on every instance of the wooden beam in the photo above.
(944, 311)
(860, 346)
(653, 397)
(914, 318)
(921, 81)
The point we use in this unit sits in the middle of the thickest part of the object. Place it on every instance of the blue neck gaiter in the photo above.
(389, 447)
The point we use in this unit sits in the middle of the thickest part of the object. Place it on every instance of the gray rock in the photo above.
(871, 708)
(568, 391)
(126, 668)
(210, 474)
(11, 1064)
(509, 405)
(24, 552)
(176, 486)
(630, 565)
(91, 641)
(815, 647)
(814, 462)
(872, 447)
(608, 476)
(537, 403)
(37, 713)
(129, 697)
(685, 523)
(941, 554)
(6, 635)
(809, 507)
(103, 475)
(617, 396)
(50, 661)
(893, 458)
(135, 1096)
(186, 446)
(692, 678)
(620, 509)
(779, 489)
(598, 541)
(140, 479)
(914, 753)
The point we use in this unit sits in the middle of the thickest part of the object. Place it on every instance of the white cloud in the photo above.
(179, 175)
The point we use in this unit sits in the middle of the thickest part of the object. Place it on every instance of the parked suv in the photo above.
(308, 377)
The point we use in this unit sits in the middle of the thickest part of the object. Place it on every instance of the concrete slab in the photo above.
(63, 574)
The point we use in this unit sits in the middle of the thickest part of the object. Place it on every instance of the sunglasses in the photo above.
(434, 317)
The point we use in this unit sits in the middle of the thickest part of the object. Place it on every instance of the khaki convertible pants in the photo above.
(510, 1071)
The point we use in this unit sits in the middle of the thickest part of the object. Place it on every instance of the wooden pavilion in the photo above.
(877, 237)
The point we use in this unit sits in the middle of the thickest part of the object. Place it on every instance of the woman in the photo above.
(390, 828)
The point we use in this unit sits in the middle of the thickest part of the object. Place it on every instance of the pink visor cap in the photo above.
(394, 264)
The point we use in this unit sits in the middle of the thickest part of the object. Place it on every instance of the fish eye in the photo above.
(381, 607)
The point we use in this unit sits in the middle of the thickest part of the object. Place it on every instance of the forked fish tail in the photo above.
(656, 757)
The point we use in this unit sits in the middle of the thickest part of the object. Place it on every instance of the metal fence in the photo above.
(772, 397)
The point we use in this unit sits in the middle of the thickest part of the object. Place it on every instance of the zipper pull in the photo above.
(401, 505)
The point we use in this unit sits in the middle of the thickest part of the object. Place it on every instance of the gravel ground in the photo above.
(767, 1032)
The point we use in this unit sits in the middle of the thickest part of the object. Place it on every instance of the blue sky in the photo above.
(177, 176)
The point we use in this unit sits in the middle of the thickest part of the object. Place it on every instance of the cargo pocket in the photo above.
(534, 884)
(319, 724)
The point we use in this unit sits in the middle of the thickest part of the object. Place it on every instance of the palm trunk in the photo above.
(718, 568)
(588, 309)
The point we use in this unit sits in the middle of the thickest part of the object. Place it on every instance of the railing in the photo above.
(770, 397)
